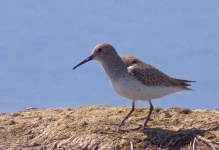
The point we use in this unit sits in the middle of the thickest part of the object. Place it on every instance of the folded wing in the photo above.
(151, 76)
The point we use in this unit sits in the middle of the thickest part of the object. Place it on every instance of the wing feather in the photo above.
(151, 76)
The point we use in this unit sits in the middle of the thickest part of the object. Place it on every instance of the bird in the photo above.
(135, 79)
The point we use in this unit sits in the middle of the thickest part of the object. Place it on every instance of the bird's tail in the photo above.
(185, 83)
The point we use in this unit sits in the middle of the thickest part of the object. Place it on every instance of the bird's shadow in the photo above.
(170, 139)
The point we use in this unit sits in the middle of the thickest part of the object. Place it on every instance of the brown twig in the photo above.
(190, 144)
(194, 144)
(208, 142)
(131, 145)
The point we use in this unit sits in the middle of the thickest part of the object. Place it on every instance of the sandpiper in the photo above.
(135, 79)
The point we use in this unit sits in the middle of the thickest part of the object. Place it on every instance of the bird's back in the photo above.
(151, 76)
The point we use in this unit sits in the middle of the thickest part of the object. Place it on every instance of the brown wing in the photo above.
(150, 75)
(129, 60)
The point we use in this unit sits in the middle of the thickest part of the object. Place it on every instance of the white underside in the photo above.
(133, 89)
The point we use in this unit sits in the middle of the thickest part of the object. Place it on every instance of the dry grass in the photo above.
(87, 128)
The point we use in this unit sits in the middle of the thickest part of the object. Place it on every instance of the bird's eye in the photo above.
(99, 50)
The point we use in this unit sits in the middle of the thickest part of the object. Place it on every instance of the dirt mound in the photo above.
(88, 128)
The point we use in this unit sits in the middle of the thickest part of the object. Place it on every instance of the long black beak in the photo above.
(84, 61)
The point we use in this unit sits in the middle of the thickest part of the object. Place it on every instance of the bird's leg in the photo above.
(131, 111)
(147, 119)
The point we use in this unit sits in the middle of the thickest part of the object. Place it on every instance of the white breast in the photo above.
(133, 89)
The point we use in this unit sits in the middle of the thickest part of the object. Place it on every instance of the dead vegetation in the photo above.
(87, 128)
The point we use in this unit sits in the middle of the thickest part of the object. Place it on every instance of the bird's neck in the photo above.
(115, 68)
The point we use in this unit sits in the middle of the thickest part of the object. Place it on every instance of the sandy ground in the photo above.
(91, 127)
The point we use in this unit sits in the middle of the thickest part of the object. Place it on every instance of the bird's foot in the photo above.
(141, 128)
(113, 124)
(118, 124)
(121, 123)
